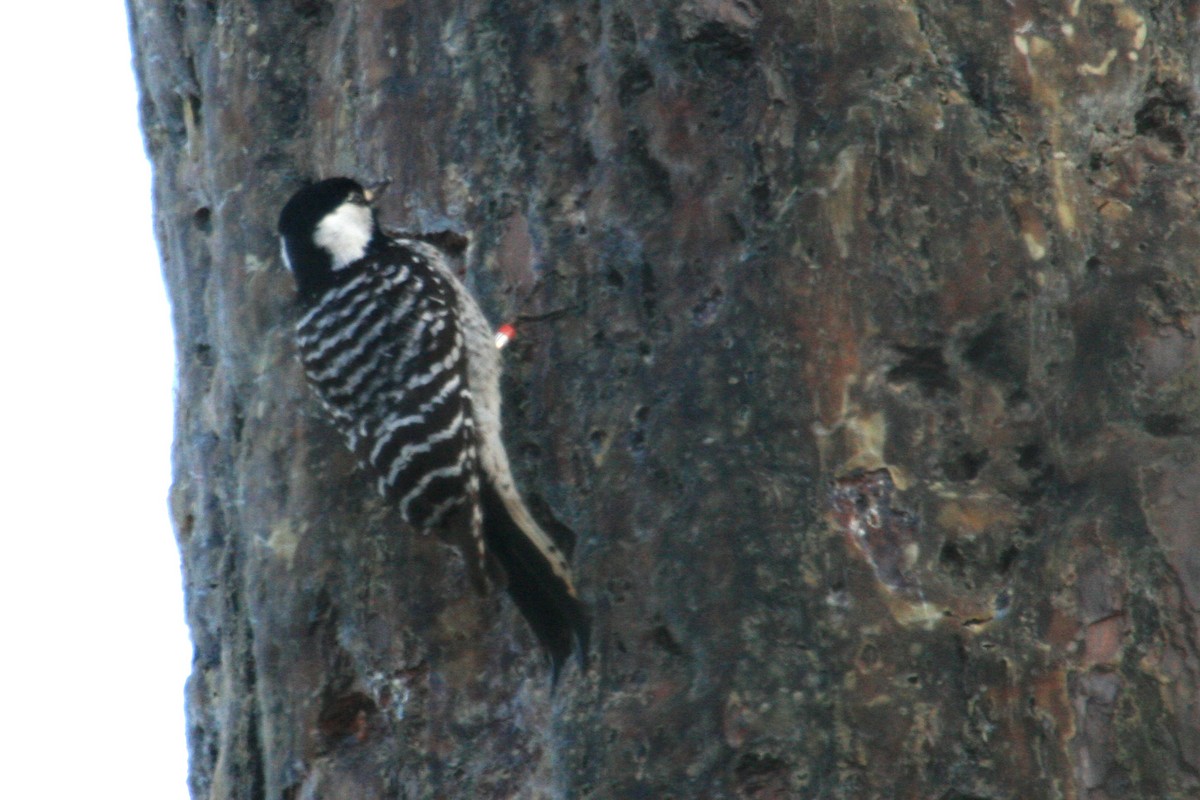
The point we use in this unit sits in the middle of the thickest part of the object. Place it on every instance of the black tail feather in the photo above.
(558, 618)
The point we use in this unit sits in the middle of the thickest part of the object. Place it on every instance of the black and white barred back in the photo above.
(402, 358)
(386, 356)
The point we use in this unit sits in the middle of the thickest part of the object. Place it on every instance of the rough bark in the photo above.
(868, 387)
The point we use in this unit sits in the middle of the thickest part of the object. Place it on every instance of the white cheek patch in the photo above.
(345, 233)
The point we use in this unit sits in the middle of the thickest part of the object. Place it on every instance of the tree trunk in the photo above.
(857, 352)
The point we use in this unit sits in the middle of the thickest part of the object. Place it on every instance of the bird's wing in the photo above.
(385, 353)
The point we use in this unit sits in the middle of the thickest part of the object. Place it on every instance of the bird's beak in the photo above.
(372, 191)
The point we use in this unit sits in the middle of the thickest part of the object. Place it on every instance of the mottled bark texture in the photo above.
(868, 386)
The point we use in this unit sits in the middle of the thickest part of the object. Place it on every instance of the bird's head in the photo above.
(327, 226)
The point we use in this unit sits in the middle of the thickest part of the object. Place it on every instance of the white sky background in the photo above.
(95, 652)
